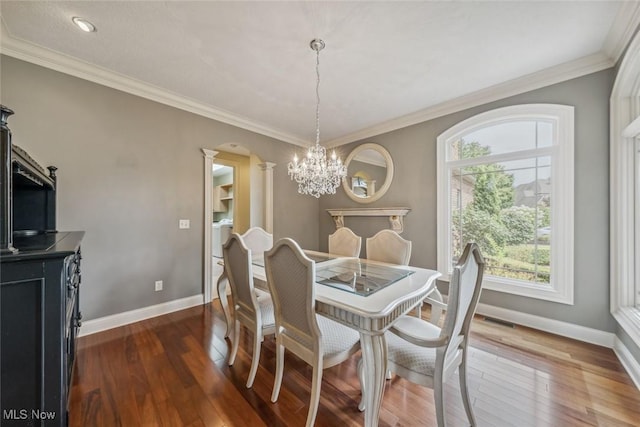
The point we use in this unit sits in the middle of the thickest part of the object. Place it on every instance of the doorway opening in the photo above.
(238, 195)
(223, 206)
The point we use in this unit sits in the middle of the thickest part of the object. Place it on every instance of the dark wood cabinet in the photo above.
(40, 318)
(39, 292)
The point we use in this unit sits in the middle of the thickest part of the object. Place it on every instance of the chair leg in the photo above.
(279, 370)
(224, 302)
(363, 390)
(316, 383)
(236, 342)
(464, 390)
(438, 396)
(255, 359)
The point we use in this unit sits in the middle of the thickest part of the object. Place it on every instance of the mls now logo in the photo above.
(24, 414)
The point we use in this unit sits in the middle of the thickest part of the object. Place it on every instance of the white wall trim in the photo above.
(563, 72)
(627, 360)
(569, 330)
(65, 64)
(24, 51)
(622, 30)
(108, 322)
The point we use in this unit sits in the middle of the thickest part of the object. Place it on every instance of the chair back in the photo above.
(290, 277)
(237, 264)
(388, 246)
(258, 240)
(345, 242)
(464, 293)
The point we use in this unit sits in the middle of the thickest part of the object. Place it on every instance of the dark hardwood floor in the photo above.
(172, 371)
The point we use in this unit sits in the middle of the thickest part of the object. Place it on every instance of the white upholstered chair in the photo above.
(389, 246)
(345, 242)
(256, 314)
(427, 355)
(257, 240)
(317, 340)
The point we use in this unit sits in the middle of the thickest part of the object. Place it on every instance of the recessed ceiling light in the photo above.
(84, 25)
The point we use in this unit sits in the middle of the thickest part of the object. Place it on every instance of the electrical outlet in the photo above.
(184, 223)
(158, 285)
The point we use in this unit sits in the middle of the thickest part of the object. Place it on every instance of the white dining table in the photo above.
(371, 315)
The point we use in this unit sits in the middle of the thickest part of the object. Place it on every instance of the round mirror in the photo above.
(369, 173)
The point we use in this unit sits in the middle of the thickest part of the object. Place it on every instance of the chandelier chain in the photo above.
(318, 97)
(315, 173)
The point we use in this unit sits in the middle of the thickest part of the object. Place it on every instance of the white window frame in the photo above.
(637, 219)
(562, 195)
(624, 193)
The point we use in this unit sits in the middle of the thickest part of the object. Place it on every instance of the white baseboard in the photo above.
(569, 330)
(108, 322)
(627, 360)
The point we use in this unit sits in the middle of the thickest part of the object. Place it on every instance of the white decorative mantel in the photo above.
(396, 215)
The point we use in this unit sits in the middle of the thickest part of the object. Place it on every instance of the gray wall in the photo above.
(129, 169)
(413, 150)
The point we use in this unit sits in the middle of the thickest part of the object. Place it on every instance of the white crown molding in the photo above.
(569, 330)
(622, 30)
(563, 72)
(108, 322)
(590, 64)
(38, 55)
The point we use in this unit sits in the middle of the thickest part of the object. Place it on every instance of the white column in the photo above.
(267, 167)
(208, 189)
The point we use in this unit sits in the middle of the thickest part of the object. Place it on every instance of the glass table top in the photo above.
(258, 259)
(352, 275)
(359, 277)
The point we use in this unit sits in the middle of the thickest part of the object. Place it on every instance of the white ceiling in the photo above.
(386, 64)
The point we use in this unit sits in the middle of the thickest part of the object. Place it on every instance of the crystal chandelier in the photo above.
(316, 174)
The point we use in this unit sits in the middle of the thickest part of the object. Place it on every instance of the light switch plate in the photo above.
(184, 223)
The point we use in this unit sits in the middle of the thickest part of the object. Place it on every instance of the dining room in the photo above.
(510, 125)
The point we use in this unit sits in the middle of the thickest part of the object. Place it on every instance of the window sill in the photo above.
(629, 320)
(524, 289)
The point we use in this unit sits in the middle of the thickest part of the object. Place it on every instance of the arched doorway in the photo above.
(253, 186)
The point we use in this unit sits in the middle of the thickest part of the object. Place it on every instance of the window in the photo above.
(625, 193)
(505, 181)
